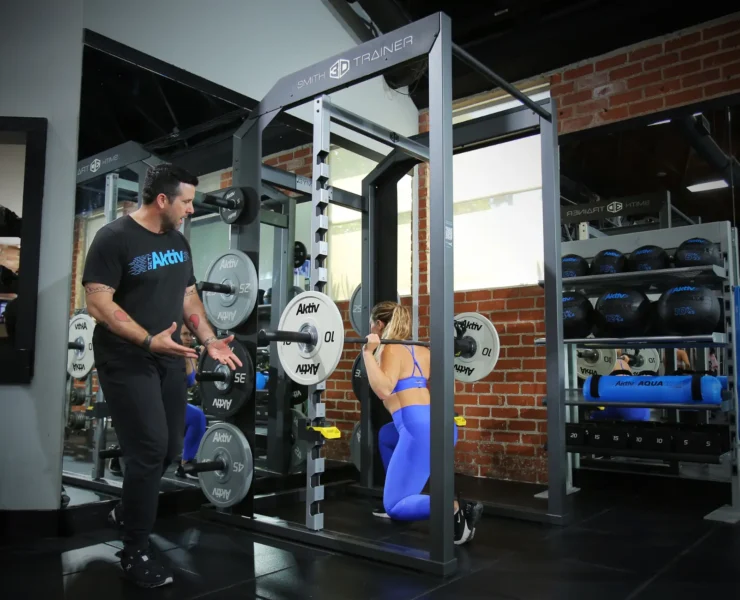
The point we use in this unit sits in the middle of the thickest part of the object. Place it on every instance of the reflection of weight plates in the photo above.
(223, 399)
(301, 447)
(225, 442)
(81, 361)
(227, 311)
(648, 359)
(355, 309)
(595, 362)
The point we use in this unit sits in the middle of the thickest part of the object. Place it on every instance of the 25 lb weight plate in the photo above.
(81, 362)
(223, 399)
(227, 311)
(355, 309)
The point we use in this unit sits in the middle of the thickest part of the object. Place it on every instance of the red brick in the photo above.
(591, 81)
(625, 98)
(509, 340)
(614, 114)
(646, 52)
(564, 88)
(594, 106)
(721, 87)
(578, 72)
(700, 50)
(518, 328)
(532, 315)
(533, 413)
(611, 62)
(565, 113)
(509, 364)
(478, 295)
(722, 58)
(520, 401)
(466, 399)
(682, 69)
(522, 426)
(515, 303)
(730, 42)
(642, 80)
(722, 29)
(534, 364)
(700, 78)
(503, 388)
(625, 72)
(663, 88)
(660, 61)
(646, 106)
(527, 376)
(504, 413)
(466, 447)
(576, 97)
(303, 152)
(556, 78)
(282, 158)
(477, 411)
(731, 70)
(491, 399)
(506, 293)
(506, 437)
(519, 450)
(534, 440)
(682, 41)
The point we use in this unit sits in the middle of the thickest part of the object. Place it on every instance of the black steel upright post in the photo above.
(368, 447)
(441, 286)
(557, 460)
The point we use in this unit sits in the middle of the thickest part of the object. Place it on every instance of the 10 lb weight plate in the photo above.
(225, 442)
(595, 362)
(222, 399)
(227, 311)
(81, 362)
(312, 312)
(487, 347)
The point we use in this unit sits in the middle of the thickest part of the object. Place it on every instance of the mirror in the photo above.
(22, 169)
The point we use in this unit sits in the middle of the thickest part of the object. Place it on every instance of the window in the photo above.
(497, 195)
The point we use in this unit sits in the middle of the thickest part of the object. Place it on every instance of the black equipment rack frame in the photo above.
(428, 37)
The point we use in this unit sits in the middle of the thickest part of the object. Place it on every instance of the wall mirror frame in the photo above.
(17, 353)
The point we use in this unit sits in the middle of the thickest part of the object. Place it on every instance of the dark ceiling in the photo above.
(520, 39)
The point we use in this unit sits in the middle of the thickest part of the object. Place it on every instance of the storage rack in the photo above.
(721, 279)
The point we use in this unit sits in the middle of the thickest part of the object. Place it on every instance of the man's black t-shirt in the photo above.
(149, 272)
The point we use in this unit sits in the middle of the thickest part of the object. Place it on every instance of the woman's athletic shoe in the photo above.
(144, 570)
(379, 511)
(466, 520)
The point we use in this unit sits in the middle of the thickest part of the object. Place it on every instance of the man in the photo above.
(139, 286)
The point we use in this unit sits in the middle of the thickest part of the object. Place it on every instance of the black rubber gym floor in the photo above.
(639, 538)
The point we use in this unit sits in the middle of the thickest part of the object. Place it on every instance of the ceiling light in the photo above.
(707, 185)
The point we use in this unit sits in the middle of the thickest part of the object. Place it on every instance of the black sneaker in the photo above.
(114, 466)
(115, 517)
(473, 511)
(379, 511)
(145, 570)
(462, 532)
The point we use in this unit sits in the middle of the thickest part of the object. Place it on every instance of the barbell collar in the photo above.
(204, 467)
(218, 288)
(298, 337)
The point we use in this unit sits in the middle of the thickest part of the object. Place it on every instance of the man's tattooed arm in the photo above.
(195, 317)
(105, 311)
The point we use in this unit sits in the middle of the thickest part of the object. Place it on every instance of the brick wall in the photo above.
(688, 66)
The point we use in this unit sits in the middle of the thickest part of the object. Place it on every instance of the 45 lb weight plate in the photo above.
(226, 443)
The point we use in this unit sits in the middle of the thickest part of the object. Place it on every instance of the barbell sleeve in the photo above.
(220, 202)
(212, 376)
(298, 337)
(219, 288)
(76, 346)
(204, 467)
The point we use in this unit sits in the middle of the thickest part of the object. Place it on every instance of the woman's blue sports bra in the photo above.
(414, 381)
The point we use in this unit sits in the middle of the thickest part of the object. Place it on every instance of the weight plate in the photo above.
(300, 254)
(316, 313)
(487, 347)
(359, 375)
(355, 309)
(298, 394)
(246, 204)
(224, 441)
(301, 447)
(81, 362)
(355, 451)
(595, 362)
(647, 360)
(225, 399)
(229, 311)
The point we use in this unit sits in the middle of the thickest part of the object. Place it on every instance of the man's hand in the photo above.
(10, 257)
(220, 351)
(162, 343)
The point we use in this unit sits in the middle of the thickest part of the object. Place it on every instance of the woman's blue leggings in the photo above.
(195, 429)
(405, 447)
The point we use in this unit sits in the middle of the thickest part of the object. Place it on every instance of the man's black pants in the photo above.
(146, 397)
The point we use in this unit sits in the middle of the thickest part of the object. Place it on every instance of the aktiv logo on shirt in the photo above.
(155, 260)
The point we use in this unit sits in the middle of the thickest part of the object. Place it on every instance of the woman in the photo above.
(195, 419)
(398, 375)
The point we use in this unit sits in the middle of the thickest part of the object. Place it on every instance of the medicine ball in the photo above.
(578, 314)
(695, 252)
(648, 258)
(608, 261)
(574, 266)
(622, 313)
(688, 310)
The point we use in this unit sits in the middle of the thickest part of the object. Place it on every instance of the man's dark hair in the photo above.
(165, 179)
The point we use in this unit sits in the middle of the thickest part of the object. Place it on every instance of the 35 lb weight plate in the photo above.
(223, 399)
(227, 311)
(81, 362)
(359, 375)
(487, 347)
(225, 442)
